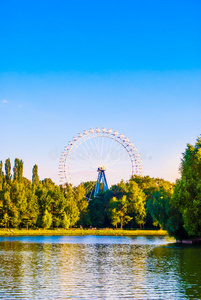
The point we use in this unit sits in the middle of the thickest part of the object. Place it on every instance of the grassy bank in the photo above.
(77, 232)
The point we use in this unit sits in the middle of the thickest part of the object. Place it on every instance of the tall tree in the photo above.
(35, 177)
(18, 169)
(1, 175)
(187, 193)
(8, 169)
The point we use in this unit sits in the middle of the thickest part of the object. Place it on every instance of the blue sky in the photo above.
(66, 66)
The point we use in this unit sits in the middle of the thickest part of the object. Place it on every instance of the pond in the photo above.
(98, 267)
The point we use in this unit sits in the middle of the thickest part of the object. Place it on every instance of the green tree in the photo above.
(114, 212)
(19, 202)
(18, 170)
(119, 211)
(59, 204)
(151, 186)
(1, 175)
(137, 201)
(71, 210)
(98, 209)
(35, 177)
(65, 221)
(5, 220)
(32, 208)
(6, 206)
(46, 220)
(81, 202)
(187, 194)
(8, 169)
(159, 207)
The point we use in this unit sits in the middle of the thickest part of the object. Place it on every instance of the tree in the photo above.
(15, 169)
(71, 210)
(32, 209)
(151, 188)
(59, 204)
(113, 212)
(81, 201)
(35, 177)
(98, 206)
(159, 207)
(65, 221)
(5, 220)
(8, 169)
(118, 211)
(46, 219)
(18, 170)
(1, 175)
(187, 194)
(19, 203)
(137, 200)
(7, 207)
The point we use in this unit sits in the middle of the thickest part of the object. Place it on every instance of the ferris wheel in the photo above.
(99, 150)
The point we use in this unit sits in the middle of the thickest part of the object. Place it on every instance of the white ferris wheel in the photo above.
(99, 150)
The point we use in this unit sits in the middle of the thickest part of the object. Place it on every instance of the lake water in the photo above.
(98, 267)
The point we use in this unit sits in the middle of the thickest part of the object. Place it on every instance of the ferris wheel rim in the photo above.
(90, 134)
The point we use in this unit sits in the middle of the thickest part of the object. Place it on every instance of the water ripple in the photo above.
(97, 268)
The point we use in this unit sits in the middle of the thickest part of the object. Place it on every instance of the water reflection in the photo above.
(90, 239)
(134, 268)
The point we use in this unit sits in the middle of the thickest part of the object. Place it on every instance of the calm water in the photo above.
(92, 267)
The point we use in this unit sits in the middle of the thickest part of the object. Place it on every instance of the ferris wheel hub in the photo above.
(101, 168)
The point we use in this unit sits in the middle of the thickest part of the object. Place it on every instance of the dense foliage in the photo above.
(43, 204)
(143, 202)
(185, 215)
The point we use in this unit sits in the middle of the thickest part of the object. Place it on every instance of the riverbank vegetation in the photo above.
(78, 232)
(142, 202)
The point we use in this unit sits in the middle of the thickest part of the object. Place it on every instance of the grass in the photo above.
(77, 232)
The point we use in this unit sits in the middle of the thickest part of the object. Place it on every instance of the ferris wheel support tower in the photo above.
(101, 177)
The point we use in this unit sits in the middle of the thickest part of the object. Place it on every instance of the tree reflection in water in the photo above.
(96, 270)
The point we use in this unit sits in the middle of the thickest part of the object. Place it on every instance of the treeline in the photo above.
(36, 203)
(143, 202)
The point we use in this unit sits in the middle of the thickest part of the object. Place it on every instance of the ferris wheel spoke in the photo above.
(81, 164)
(90, 185)
(93, 150)
(119, 153)
(116, 164)
(82, 153)
(98, 148)
(113, 154)
(87, 154)
(93, 145)
(108, 152)
(89, 151)
(102, 150)
(119, 147)
(117, 159)
(108, 149)
(115, 148)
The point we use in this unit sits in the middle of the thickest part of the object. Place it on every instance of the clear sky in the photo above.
(133, 66)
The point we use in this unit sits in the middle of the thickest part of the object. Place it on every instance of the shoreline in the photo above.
(78, 232)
